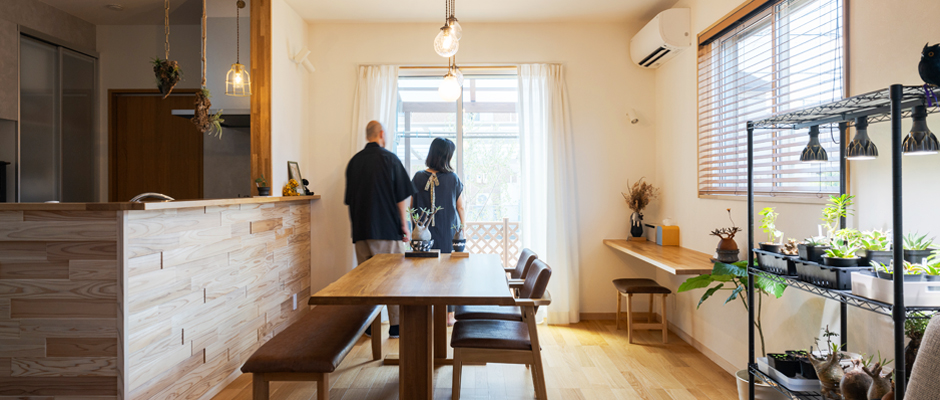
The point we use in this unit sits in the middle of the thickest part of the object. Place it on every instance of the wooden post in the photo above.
(261, 90)
(506, 242)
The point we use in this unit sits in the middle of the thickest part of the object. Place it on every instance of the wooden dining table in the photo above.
(420, 285)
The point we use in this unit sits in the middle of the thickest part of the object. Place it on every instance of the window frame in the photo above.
(750, 12)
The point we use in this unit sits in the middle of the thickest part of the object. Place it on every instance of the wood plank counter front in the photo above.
(145, 300)
(673, 259)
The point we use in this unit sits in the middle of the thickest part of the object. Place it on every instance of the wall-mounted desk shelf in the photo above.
(672, 259)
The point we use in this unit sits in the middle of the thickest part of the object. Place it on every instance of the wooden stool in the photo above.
(628, 287)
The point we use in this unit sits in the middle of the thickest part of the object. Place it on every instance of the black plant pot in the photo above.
(840, 262)
(878, 256)
(907, 277)
(915, 256)
(812, 253)
(771, 247)
(788, 367)
(264, 191)
(460, 245)
(932, 278)
(807, 369)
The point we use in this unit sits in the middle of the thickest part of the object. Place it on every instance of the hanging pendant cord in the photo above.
(203, 43)
(166, 28)
(237, 35)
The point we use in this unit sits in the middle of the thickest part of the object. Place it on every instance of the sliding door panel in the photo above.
(39, 141)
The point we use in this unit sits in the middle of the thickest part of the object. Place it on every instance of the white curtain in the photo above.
(376, 99)
(548, 191)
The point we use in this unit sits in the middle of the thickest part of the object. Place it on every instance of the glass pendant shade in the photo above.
(450, 89)
(238, 81)
(814, 152)
(459, 75)
(455, 27)
(861, 147)
(920, 141)
(446, 44)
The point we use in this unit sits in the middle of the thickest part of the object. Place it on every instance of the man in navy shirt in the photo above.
(378, 192)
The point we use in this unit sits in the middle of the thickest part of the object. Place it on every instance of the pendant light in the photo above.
(452, 22)
(452, 85)
(861, 147)
(447, 41)
(238, 81)
(814, 152)
(920, 141)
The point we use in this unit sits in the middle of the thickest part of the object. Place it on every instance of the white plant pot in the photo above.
(761, 391)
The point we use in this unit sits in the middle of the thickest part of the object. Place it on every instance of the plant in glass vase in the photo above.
(768, 223)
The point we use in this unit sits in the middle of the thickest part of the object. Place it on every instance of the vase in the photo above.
(264, 191)
(636, 224)
(460, 245)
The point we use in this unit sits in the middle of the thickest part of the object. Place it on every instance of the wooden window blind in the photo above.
(782, 57)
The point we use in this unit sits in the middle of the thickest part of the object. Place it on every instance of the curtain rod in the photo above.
(461, 67)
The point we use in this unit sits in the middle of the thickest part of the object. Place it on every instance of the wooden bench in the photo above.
(312, 348)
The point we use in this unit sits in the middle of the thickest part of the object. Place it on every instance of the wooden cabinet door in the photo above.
(151, 149)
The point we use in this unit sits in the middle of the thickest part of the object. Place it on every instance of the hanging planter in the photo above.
(168, 72)
(206, 122)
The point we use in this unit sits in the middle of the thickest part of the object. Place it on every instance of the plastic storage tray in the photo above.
(916, 294)
(838, 278)
(775, 263)
(796, 384)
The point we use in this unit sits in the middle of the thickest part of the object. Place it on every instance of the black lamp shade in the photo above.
(920, 141)
(814, 152)
(861, 147)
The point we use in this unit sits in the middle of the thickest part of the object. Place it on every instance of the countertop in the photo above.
(162, 205)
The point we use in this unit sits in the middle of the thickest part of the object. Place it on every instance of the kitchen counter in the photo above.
(146, 300)
(152, 205)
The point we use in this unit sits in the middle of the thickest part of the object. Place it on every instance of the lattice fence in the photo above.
(503, 238)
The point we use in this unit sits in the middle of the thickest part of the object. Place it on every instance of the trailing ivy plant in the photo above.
(733, 278)
(837, 208)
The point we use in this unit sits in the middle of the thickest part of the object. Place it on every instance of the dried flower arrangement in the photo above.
(207, 123)
(639, 195)
(168, 72)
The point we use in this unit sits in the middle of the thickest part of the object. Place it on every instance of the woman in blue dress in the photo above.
(439, 186)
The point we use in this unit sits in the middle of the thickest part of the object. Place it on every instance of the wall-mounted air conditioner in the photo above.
(662, 38)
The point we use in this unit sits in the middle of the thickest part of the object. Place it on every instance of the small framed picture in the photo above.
(293, 172)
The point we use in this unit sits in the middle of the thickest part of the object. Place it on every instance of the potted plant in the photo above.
(806, 367)
(168, 74)
(638, 197)
(911, 273)
(930, 268)
(841, 254)
(768, 223)
(917, 248)
(733, 278)
(813, 248)
(262, 185)
(790, 248)
(727, 250)
(421, 237)
(914, 327)
(784, 363)
(836, 209)
(875, 246)
(460, 242)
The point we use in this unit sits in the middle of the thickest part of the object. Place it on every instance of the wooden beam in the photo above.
(261, 89)
(732, 18)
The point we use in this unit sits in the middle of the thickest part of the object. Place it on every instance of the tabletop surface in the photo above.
(673, 259)
(395, 279)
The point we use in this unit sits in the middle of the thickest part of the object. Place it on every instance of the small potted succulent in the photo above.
(727, 248)
(263, 188)
(460, 242)
(768, 224)
(841, 254)
(911, 273)
(806, 367)
(421, 237)
(875, 246)
(790, 248)
(784, 363)
(813, 248)
(917, 248)
(931, 267)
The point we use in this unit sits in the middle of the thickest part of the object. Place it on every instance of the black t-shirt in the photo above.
(375, 183)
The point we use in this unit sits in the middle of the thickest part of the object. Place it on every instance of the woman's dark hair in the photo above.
(439, 155)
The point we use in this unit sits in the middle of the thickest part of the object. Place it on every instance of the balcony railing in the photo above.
(502, 237)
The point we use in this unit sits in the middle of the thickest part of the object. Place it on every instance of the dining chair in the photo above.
(506, 342)
(525, 260)
(522, 288)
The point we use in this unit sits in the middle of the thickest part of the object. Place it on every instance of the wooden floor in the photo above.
(589, 360)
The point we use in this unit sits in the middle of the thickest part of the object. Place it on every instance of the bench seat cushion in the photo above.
(491, 334)
(316, 343)
(506, 313)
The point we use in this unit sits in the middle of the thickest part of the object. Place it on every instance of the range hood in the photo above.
(234, 117)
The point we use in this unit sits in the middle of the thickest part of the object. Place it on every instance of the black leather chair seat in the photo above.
(491, 334)
(639, 286)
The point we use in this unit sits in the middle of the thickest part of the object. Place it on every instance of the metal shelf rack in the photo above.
(891, 104)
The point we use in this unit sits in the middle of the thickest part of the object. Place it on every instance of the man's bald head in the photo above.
(373, 131)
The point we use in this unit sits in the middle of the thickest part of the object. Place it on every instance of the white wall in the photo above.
(602, 84)
(885, 44)
(290, 98)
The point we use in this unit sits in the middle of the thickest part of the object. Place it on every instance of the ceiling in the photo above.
(479, 10)
(145, 12)
(150, 12)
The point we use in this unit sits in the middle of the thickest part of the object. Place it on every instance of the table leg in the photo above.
(415, 368)
(440, 333)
